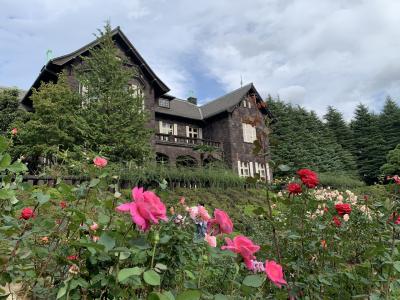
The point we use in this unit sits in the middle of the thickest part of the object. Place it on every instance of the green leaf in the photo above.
(189, 295)
(17, 167)
(61, 292)
(107, 241)
(253, 280)
(161, 267)
(94, 182)
(5, 160)
(220, 297)
(42, 198)
(6, 194)
(128, 272)
(151, 277)
(159, 296)
(3, 144)
(396, 265)
(284, 168)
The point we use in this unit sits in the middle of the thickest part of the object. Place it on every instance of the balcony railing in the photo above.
(185, 141)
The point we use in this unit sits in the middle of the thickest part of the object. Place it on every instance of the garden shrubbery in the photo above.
(92, 241)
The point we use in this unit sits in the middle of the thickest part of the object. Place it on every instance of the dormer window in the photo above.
(246, 103)
(163, 103)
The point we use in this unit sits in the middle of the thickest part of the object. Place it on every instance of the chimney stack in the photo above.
(192, 100)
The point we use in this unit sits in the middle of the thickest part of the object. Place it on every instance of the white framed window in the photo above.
(244, 169)
(249, 133)
(193, 133)
(83, 91)
(260, 169)
(137, 92)
(167, 128)
(246, 103)
(163, 103)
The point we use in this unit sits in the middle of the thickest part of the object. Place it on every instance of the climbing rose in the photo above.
(14, 131)
(308, 177)
(211, 240)
(294, 188)
(100, 162)
(243, 246)
(274, 273)
(343, 209)
(27, 213)
(221, 223)
(146, 208)
(336, 221)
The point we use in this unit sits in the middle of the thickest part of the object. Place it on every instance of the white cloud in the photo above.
(312, 52)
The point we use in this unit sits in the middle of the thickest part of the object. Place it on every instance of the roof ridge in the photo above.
(227, 94)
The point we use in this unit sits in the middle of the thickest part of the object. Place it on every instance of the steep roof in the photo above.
(54, 65)
(227, 102)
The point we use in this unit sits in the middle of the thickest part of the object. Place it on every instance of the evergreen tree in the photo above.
(336, 124)
(114, 112)
(56, 125)
(389, 124)
(392, 167)
(9, 109)
(368, 144)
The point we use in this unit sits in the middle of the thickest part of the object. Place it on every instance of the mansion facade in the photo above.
(223, 129)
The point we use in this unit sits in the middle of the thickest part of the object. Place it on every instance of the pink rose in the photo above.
(14, 131)
(94, 226)
(274, 273)
(100, 162)
(203, 213)
(211, 240)
(193, 212)
(221, 223)
(146, 208)
(27, 213)
(243, 246)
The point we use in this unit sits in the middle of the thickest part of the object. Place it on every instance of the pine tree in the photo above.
(389, 123)
(113, 111)
(368, 144)
(336, 124)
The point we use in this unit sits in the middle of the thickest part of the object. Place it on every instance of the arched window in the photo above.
(161, 158)
(186, 161)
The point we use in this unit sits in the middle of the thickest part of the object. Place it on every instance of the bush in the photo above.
(340, 181)
(84, 242)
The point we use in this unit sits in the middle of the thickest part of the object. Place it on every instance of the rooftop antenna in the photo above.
(241, 81)
(49, 55)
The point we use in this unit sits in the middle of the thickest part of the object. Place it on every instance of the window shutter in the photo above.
(257, 170)
(200, 133)
(187, 131)
(160, 127)
(244, 126)
(254, 134)
(175, 132)
(251, 169)
(239, 168)
(267, 171)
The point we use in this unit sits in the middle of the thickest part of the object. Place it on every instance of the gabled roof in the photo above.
(54, 65)
(226, 103)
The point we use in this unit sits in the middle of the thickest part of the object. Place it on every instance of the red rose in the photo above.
(308, 177)
(294, 188)
(72, 257)
(343, 209)
(63, 204)
(336, 221)
(27, 213)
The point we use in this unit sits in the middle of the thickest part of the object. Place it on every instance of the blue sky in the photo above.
(311, 52)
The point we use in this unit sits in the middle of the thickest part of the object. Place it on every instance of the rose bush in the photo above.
(95, 241)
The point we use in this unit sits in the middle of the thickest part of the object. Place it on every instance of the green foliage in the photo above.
(59, 255)
(9, 110)
(113, 109)
(300, 139)
(56, 125)
(368, 144)
(392, 167)
(340, 180)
